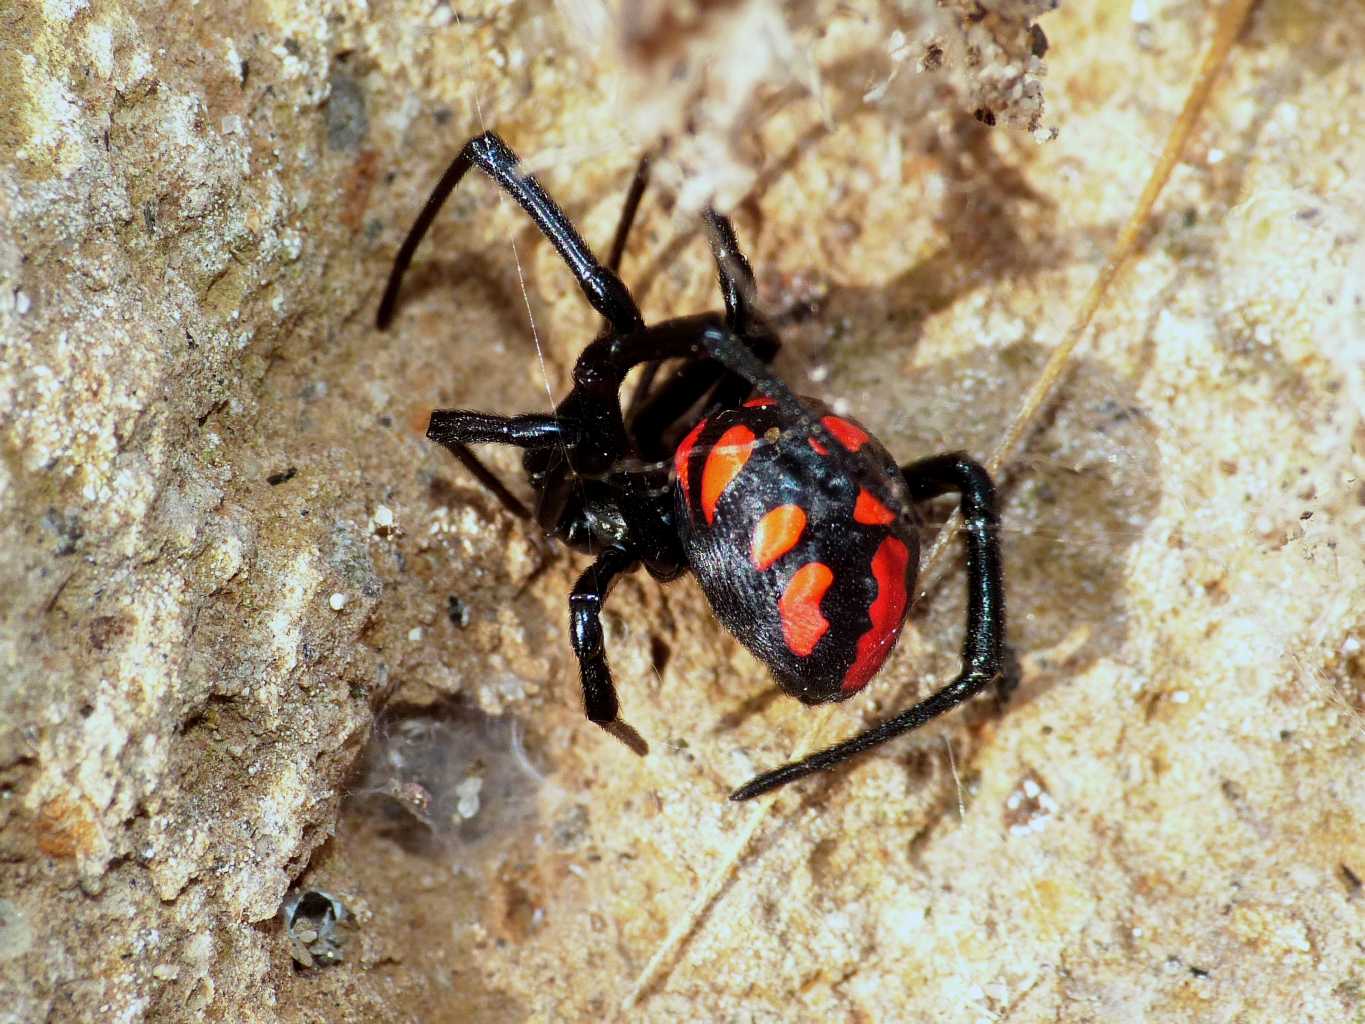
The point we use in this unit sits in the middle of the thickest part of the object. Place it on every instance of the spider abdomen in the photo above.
(809, 557)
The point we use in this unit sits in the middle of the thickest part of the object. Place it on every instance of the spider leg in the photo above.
(729, 349)
(984, 656)
(451, 427)
(738, 289)
(736, 275)
(491, 155)
(456, 429)
(638, 183)
(488, 478)
(585, 632)
(741, 313)
(685, 387)
(955, 471)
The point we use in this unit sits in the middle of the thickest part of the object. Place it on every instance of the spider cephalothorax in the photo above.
(798, 524)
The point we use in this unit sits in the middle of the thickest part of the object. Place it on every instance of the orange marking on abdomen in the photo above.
(762, 401)
(723, 464)
(887, 612)
(681, 456)
(871, 512)
(850, 435)
(802, 623)
(776, 534)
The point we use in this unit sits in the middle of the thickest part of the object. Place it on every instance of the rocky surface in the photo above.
(290, 729)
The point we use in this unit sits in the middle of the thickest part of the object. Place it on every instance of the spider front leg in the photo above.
(984, 656)
(450, 427)
(585, 634)
(491, 155)
(456, 429)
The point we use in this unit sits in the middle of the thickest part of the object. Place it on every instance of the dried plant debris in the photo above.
(702, 76)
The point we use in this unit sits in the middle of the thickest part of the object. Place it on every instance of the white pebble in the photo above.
(470, 786)
(468, 806)
(468, 792)
(338, 601)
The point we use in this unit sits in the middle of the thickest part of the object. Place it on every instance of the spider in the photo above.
(799, 526)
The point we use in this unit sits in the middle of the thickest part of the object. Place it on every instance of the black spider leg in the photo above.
(983, 647)
(736, 275)
(490, 154)
(600, 284)
(738, 290)
(485, 476)
(455, 429)
(690, 382)
(638, 183)
(671, 401)
(585, 632)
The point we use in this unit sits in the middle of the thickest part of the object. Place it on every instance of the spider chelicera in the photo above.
(798, 524)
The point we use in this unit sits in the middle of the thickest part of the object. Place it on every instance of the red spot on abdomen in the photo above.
(776, 534)
(850, 435)
(681, 456)
(871, 512)
(887, 611)
(802, 623)
(761, 402)
(723, 464)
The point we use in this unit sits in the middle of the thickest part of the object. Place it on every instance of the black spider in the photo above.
(799, 526)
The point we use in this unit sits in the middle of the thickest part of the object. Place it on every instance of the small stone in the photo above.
(338, 601)
(468, 793)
